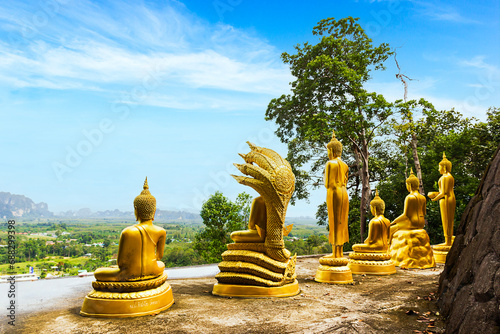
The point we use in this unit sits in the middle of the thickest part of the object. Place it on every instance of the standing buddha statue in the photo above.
(447, 204)
(333, 268)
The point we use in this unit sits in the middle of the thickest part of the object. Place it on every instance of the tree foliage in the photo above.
(328, 93)
(469, 145)
(220, 217)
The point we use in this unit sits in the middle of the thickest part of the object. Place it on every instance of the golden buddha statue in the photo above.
(256, 224)
(410, 243)
(333, 268)
(138, 284)
(258, 264)
(372, 256)
(447, 204)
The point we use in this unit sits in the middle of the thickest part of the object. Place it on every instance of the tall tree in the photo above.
(329, 93)
(220, 217)
(406, 128)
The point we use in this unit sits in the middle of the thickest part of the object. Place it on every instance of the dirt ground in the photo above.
(399, 303)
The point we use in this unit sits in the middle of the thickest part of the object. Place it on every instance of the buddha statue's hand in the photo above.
(272, 177)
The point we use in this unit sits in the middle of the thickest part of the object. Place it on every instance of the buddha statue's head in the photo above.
(412, 182)
(446, 164)
(145, 204)
(377, 205)
(334, 146)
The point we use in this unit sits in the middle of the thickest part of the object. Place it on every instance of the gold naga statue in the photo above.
(409, 242)
(333, 268)
(372, 257)
(257, 264)
(138, 285)
(447, 204)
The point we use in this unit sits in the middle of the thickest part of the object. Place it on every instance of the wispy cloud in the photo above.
(478, 62)
(109, 48)
(442, 12)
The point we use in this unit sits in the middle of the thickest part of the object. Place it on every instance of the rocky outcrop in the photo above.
(469, 287)
(14, 206)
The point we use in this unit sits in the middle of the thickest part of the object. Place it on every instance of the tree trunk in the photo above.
(365, 189)
(418, 169)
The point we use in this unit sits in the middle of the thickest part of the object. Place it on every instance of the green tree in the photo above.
(469, 145)
(220, 217)
(329, 93)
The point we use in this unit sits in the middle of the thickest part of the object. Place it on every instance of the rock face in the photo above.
(469, 287)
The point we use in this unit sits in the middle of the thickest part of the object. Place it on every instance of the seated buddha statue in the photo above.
(378, 229)
(409, 242)
(256, 224)
(447, 204)
(138, 284)
(257, 264)
(371, 257)
(141, 246)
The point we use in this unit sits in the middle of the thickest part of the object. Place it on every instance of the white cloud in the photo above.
(442, 12)
(122, 45)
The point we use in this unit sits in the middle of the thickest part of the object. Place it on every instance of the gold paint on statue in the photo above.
(258, 264)
(409, 242)
(372, 257)
(137, 286)
(447, 204)
(337, 202)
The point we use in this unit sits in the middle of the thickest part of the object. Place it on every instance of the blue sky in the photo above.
(94, 96)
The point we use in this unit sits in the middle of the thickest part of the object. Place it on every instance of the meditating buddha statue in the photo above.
(447, 204)
(333, 268)
(372, 257)
(138, 284)
(257, 264)
(409, 242)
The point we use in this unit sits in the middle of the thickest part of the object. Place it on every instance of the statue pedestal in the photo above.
(371, 263)
(128, 299)
(412, 249)
(333, 271)
(252, 274)
(249, 291)
(441, 251)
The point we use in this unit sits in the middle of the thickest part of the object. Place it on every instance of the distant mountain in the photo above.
(17, 206)
(160, 214)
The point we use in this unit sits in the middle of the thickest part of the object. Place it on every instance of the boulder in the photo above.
(469, 286)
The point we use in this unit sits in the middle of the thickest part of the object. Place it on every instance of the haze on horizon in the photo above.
(96, 96)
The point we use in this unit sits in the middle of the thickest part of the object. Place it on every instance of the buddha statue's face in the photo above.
(373, 210)
(442, 169)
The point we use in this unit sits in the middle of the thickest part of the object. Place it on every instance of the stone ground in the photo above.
(400, 303)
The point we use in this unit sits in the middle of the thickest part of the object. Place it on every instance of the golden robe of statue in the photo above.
(337, 200)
